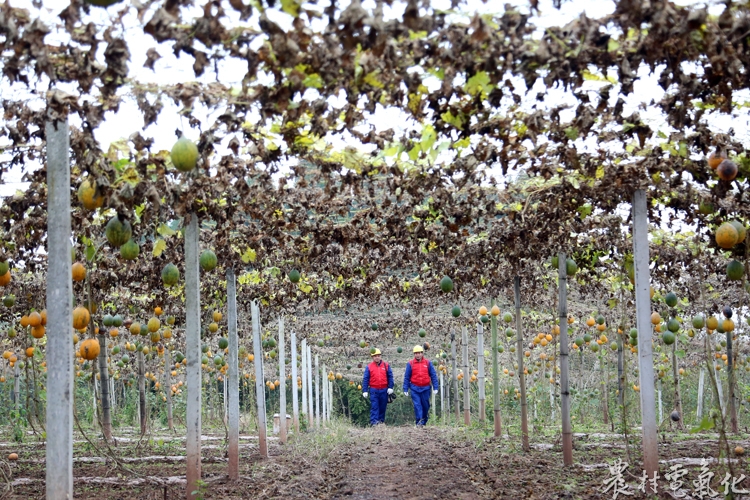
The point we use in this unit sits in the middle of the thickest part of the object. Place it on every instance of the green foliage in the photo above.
(705, 425)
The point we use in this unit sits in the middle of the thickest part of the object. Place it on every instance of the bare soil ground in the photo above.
(377, 463)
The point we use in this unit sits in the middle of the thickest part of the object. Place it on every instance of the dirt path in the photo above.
(343, 462)
(403, 462)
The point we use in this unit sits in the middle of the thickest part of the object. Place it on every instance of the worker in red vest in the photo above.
(377, 382)
(420, 377)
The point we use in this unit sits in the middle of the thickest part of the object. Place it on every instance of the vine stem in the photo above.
(722, 433)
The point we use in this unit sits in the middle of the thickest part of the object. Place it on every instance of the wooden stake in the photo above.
(567, 431)
(519, 354)
(104, 374)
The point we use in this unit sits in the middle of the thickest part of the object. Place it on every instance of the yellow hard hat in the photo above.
(376, 352)
(418, 348)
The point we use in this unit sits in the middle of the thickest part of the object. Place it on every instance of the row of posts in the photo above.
(59, 351)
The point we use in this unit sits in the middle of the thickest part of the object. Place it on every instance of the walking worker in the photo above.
(420, 376)
(378, 381)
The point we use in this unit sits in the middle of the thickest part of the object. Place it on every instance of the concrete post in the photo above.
(309, 389)
(233, 387)
(442, 397)
(330, 400)
(167, 386)
(324, 388)
(495, 377)
(467, 375)
(643, 315)
(316, 375)
(305, 381)
(260, 391)
(143, 417)
(699, 411)
(521, 374)
(295, 398)
(17, 386)
(282, 381)
(193, 353)
(480, 369)
(59, 351)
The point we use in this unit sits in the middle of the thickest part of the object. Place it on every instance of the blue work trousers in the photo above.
(378, 402)
(421, 400)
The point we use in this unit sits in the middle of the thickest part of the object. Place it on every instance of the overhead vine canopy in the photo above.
(484, 176)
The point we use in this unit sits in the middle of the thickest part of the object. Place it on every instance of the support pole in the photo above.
(730, 381)
(521, 374)
(17, 386)
(295, 388)
(722, 406)
(305, 381)
(233, 387)
(282, 382)
(699, 411)
(316, 374)
(167, 387)
(643, 315)
(104, 374)
(658, 392)
(309, 389)
(324, 387)
(59, 351)
(433, 410)
(620, 368)
(260, 391)
(467, 392)
(330, 399)
(143, 417)
(193, 352)
(567, 431)
(495, 377)
(454, 381)
(442, 397)
(112, 392)
(480, 368)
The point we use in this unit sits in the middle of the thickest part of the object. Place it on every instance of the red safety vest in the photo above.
(420, 372)
(378, 375)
